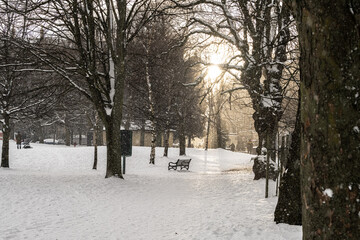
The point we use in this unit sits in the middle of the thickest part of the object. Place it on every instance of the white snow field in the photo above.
(51, 192)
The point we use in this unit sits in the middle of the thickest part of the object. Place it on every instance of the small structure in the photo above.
(80, 139)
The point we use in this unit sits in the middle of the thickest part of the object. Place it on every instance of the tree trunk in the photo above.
(151, 101)
(267, 96)
(95, 155)
(166, 141)
(41, 134)
(182, 143)
(95, 141)
(219, 134)
(113, 150)
(207, 134)
(329, 36)
(153, 146)
(67, 136)
(117, 79)
(6, 139)
(182, 140)
(272, 138)
(55, 134)
(80, 136)
(261, 138)
(288, 208)
(266, 126)
(189, 142)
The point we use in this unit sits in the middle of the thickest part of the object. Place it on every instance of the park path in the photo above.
(44, 199)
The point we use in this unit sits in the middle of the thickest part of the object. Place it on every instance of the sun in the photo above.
(213, 72)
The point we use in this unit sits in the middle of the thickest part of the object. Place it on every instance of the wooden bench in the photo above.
(182, 163)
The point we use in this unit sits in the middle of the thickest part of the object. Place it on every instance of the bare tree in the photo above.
(24, 93)
(93, 37)
(259, 30)
(168, 104)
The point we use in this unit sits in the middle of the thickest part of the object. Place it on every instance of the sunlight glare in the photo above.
(213, 72)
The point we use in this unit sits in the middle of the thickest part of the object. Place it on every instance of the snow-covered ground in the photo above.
(51, 192)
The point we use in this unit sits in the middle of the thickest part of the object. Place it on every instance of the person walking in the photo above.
(18, 140)
(232, 147)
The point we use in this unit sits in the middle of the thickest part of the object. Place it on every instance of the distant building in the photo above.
(141, 135)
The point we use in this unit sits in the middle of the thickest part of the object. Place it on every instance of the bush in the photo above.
(259, 168)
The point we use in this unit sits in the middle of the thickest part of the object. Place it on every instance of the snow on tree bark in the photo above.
(330, 113)
(152, 116)
(151, 103)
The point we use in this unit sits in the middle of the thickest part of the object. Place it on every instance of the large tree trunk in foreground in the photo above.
(330, 117)
(288, 208)
(5, 145)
